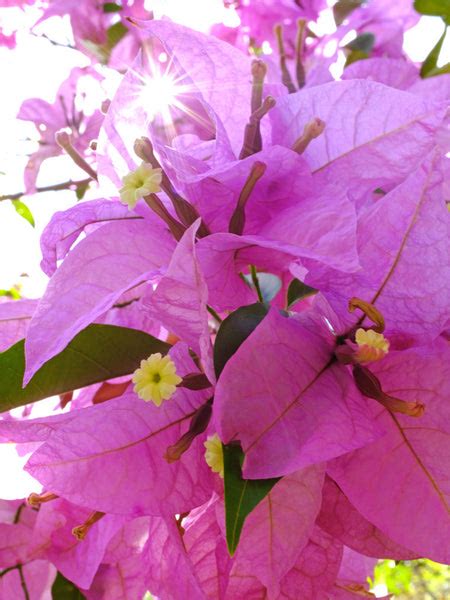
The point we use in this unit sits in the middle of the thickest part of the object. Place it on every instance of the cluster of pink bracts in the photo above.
(287, 235)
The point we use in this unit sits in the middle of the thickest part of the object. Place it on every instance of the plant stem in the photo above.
(65, 185)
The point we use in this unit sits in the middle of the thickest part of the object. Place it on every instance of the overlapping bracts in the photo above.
(341, 190)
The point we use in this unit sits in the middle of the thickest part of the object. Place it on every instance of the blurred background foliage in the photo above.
(419, 579)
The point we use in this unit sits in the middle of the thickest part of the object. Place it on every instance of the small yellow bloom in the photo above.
(139, 183)
(156, 379)
(214, 454)
(371, 346)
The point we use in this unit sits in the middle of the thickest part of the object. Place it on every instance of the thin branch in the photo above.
(53, 42)
(255, 282)
(65, 185)
(213, 313)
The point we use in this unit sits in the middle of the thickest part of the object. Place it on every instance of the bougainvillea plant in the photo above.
(246, 326)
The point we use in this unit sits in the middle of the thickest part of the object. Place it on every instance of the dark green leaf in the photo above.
(241, 495)
(63, 589)
(362, 43)
(97, 353)
(355, 56)
(111, 7)
(343, 8)
(298, 290)
(234, 330)
(440, 70)
(269, 285)
(438, 8)
(430, 63)
(115, 33)
(81, 189)
(23, 210)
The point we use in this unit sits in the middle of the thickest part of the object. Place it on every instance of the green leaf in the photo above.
(63, 589)
(241, 495)
(355, 56)
(362, 43)
(234, 330)
(97, 353)
(23, 210)
(435, 8)
(298, 290)
(269, 284)
(81, 189)
(430, 63)
(111, 7)
(343, 8)
(115, 33)
(439, 70)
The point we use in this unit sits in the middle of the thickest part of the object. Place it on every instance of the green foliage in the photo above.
(13, 293)
(298, 290)
(363, 42)
(81, 189)
(111, 7)
(343, 8)
(97, 353)
(359, 48)
(429, 66)
(436, 8)
(63, 589)
(241, 495)
(234, 330)
(114, 35)
(413, 579)
(23, 210)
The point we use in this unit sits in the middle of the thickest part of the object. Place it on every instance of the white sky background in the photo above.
(36, 68)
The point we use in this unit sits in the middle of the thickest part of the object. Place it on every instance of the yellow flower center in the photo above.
(139, 183)
(214, 454)
(156, 379)
(371, 346)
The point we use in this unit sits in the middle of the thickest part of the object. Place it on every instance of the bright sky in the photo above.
(35, 69)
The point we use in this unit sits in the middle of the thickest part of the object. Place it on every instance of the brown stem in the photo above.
(176, 228)
(237, 221)
(57, 187)
(252, 135)
(299, 42)
(62, 138)
(285, 75)
(184, 209)
(312, 130)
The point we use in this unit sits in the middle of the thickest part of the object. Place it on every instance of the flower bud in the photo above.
(237, 221)
(370, 386)
(370, 310)
(199, 423)
(312, 129)
(81, 531)
(35, 500)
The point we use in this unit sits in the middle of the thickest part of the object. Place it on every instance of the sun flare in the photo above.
(158, 93)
